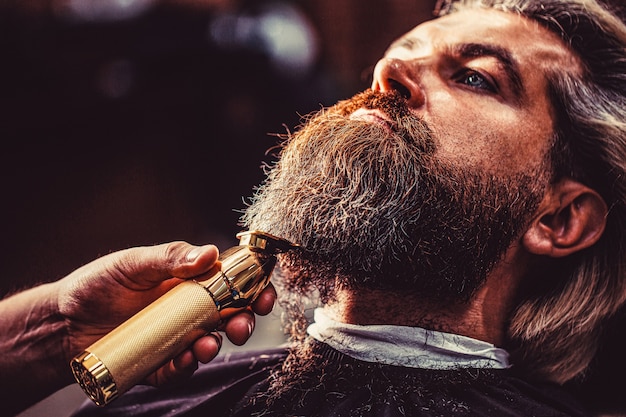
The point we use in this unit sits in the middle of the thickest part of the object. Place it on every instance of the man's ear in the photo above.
(571, 217)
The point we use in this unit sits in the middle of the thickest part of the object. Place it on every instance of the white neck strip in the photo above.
(411, 347)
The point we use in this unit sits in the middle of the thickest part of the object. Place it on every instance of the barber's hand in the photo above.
(102, 294)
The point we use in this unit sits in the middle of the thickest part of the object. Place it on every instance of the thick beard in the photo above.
(374, 208)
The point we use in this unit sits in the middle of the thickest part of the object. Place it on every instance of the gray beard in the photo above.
(373, 208)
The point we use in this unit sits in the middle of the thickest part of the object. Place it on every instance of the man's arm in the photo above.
(33, 342)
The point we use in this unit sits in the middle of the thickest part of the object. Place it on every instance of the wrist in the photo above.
(34, 346)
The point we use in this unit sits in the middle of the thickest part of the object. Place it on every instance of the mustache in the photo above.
(400, 120)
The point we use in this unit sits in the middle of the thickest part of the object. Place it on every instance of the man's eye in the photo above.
(475, 80)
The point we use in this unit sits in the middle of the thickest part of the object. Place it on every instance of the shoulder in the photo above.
(503, 393)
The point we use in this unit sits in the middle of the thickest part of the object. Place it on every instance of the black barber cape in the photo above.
(230, 384)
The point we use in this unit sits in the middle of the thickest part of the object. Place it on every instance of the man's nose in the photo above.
(396, 74)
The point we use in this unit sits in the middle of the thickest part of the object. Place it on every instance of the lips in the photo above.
(373, 116)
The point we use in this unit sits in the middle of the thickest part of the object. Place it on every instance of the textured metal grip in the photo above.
(139, 346)
(142, 344)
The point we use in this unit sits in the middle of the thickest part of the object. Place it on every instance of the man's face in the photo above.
(423, 193)
(478, 79)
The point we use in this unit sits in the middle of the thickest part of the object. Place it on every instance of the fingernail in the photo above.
(218, 339)
(193, 254)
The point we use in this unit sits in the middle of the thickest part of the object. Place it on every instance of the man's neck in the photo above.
(481, 318)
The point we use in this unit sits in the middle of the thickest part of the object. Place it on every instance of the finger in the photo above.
(239, 328)
(264, 303)
(147, 266)
(196, 261)
(183, 365)
(177, 369)
(206, 348)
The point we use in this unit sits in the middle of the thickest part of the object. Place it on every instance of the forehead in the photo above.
(530, 44)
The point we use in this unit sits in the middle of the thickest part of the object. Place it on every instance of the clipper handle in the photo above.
(142, 344)
(159, 332)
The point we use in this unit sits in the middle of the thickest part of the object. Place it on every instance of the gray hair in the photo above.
(554, 331)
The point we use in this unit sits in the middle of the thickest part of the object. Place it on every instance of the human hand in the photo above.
(99, 296)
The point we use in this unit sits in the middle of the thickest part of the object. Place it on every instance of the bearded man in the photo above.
(461, 222)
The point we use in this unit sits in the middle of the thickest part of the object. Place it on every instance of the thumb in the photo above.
(145, 267)
(188, 261)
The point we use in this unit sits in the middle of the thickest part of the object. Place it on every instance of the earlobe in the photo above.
(571, 217)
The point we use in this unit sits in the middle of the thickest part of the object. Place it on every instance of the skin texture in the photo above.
(479, 116)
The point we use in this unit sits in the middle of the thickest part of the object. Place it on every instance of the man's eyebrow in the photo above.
(476, 50)
(504, 57)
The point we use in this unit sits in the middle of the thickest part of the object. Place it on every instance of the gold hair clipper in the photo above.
(159, 332)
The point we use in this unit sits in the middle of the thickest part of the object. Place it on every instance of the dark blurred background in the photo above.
(135, 122)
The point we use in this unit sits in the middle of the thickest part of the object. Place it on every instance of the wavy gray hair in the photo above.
(554, 332)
